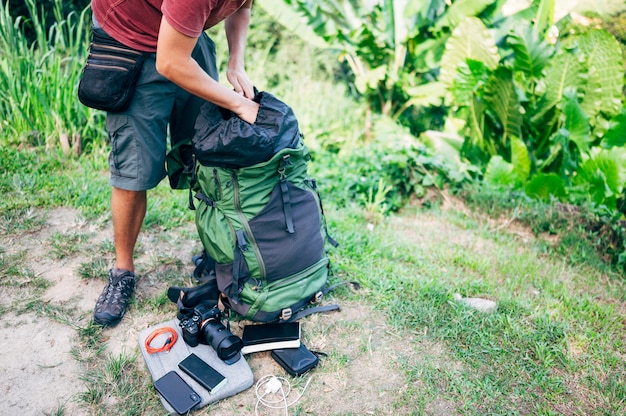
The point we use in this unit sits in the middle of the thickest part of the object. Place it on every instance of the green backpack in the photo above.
(258, 213)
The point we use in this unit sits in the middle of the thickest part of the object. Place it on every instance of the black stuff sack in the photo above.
(224, 140)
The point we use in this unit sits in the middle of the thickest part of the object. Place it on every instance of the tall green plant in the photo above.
(39, 106)
(393, 47)
(547, 104)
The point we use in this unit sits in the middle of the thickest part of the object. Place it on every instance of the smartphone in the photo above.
(295, 361)
(177, 392)
(202, 372)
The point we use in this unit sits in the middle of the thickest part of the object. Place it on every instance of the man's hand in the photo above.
(242, 85)
(248, 111)
(236, 26)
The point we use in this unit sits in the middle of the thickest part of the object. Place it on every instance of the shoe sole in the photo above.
(107, 322)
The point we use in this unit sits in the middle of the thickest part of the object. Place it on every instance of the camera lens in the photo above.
(225, 344)
(214, 333)
(229, 349)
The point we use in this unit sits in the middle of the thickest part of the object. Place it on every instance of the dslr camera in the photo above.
(204, 326)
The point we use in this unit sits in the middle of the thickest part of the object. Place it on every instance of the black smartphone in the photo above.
(296, 361)
(177, 392)
(202, 372)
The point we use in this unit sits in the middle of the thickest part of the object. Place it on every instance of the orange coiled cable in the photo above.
(167, 345)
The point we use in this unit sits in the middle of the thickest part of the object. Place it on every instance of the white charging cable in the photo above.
(274, 385)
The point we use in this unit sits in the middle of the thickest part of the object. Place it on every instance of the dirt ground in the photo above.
(42, 375)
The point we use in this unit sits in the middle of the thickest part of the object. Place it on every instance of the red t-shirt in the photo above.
(135, 23)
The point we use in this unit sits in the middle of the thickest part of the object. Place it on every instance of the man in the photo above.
(179, 73)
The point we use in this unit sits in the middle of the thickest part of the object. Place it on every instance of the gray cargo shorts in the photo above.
(138, 135)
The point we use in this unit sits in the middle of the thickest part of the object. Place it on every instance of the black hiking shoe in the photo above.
(114, 298)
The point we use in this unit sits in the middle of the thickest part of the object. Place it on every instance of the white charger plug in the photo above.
(273, 385)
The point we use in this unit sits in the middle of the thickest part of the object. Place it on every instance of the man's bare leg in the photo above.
(128, 209)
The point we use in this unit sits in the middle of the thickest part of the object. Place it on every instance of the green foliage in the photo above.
(520, 159)
(470, 40)
(392, 165)
(605, 76)
(539, 105)
(550, 106)
(616, 133)
(392, 48)
(459, 10)
(532, 52)
(40, 107)
(500, 172)
(602, 176)
(615, 24)
(21, 8)
(501, 97)
(545, 15)
(544, 186)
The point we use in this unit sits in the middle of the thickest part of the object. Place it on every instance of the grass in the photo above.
(554, 326)
(554, 346)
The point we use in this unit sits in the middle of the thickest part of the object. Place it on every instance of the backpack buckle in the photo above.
(317, 298)
(285, 314)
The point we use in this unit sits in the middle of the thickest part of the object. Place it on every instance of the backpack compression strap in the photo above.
(313, 184)
(284, 190)
(288, 316)
(285, 317)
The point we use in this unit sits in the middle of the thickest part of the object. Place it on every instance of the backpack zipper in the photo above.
(246, 226)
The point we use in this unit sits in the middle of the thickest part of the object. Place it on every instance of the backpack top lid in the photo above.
(224, 140)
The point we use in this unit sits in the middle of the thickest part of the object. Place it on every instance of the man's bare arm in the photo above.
(174, 62)
(236, 27)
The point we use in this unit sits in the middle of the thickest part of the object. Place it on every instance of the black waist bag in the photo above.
(110, 74)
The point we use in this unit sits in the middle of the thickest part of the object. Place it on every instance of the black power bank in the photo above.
(295, 361)
(177, 392)
(202, 372)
